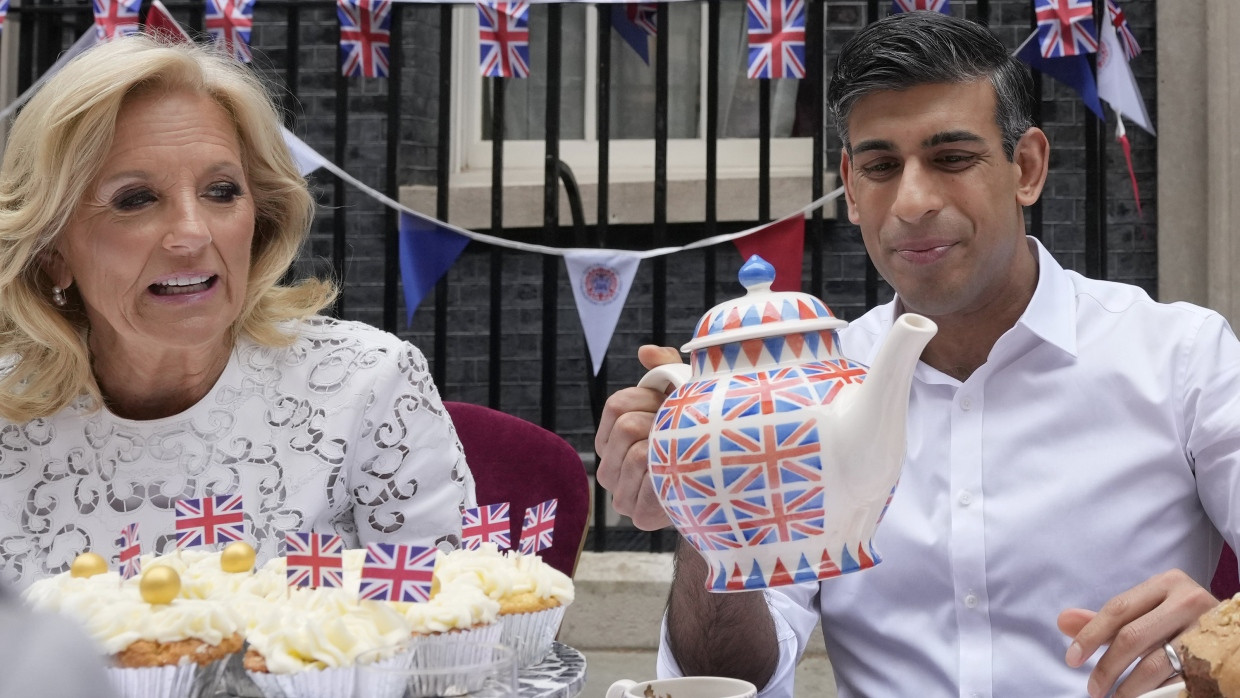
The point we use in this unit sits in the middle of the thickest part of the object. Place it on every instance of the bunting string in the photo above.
(309, 160)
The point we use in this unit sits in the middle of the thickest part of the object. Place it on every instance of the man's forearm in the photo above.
(713, 634)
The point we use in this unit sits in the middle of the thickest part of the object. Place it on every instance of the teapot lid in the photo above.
(761, 312)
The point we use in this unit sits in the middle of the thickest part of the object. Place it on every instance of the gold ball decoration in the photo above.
(88, 565)
(160, 584)
(238, 556)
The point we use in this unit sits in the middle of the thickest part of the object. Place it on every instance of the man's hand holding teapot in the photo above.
(621, 444)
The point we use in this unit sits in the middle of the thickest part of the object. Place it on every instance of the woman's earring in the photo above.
(58, 297)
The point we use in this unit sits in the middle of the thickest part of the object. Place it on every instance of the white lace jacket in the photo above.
(343, 431)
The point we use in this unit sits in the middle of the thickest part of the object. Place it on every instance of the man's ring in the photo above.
(1173, 658)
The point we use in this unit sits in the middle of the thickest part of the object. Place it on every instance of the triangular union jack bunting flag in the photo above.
(486, 524)
(131, 551)
(228, 23)
(209, 520)
(776, 39)
(943, 6)
(365, 37)
(314, 560)
(115, 17)
(397, 572)
(504, 38)
(538, 529)
(1126, 39)
(160, 21)
(1066, 27)
(636, 22)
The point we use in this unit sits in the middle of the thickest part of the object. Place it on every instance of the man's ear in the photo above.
(1031, 157)
(846, 177)
(56, 269)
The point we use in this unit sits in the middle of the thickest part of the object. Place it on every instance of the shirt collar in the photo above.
(1051, 313)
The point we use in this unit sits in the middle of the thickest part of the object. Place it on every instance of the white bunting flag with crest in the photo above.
(601, 282)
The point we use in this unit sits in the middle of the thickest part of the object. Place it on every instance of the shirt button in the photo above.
(970, 601)
(966, 403)
(965, 498)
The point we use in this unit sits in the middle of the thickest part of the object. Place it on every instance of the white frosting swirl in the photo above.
(501, 575)
(455, 608)
(115, 615)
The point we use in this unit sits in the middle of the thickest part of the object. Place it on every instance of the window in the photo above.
(632, 103)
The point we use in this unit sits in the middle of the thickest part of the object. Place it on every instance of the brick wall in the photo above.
(1131, 240)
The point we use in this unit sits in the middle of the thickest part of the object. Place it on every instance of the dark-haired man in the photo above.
(1073, 446)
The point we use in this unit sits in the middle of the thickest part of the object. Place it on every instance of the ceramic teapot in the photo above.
(775, 456)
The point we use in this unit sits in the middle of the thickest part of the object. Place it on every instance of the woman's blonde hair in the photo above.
(57, 147)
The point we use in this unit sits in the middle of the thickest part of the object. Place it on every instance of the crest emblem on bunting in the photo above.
(209, 520)
(504, 38)
(538, 528)
(229, 22)
(776, 38)
(1066, 27)
(943, 6)
(365, 37)
(486, 524)
(397, 572)
(115, 17)
(314, 560)
(131, 551)
(600, 284)
(1126, 39)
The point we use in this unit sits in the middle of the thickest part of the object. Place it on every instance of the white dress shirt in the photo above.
(1097, 446)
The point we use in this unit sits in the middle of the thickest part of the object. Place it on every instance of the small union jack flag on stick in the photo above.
(115, 17)
(776, 38)
(943, 6)
(397, 572)
(314, 560)
(1126, 39)
(209, 520)
(504, 38)
(486, 524)
(1066, 27)
(229, 23)
(538, 528)
(365, 37)
(4, 12)
(131, 551)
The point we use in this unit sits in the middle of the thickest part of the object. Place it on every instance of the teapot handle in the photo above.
(661, 377)
(618, 688)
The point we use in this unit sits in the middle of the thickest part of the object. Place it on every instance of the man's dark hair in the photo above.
(909, 49)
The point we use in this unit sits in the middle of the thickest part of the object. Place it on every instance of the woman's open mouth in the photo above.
(184, 285)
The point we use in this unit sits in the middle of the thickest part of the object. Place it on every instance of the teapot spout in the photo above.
(882, 401)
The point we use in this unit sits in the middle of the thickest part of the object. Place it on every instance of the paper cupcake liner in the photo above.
(451, 663)
(530, 634)
(332, 682)
(481, 633)
(187, 680)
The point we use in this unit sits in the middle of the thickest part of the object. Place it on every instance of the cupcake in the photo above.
(308, 644)
(458, 613)
(159, 645)
(532, 595)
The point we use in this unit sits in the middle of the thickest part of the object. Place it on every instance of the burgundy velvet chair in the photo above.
(1226, 581)
(521, 463)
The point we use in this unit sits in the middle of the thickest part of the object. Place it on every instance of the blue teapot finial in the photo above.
(756, 274)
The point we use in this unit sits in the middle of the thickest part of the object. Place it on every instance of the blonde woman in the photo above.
(148, 210)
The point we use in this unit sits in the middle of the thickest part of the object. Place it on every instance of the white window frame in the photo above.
(631, 160)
